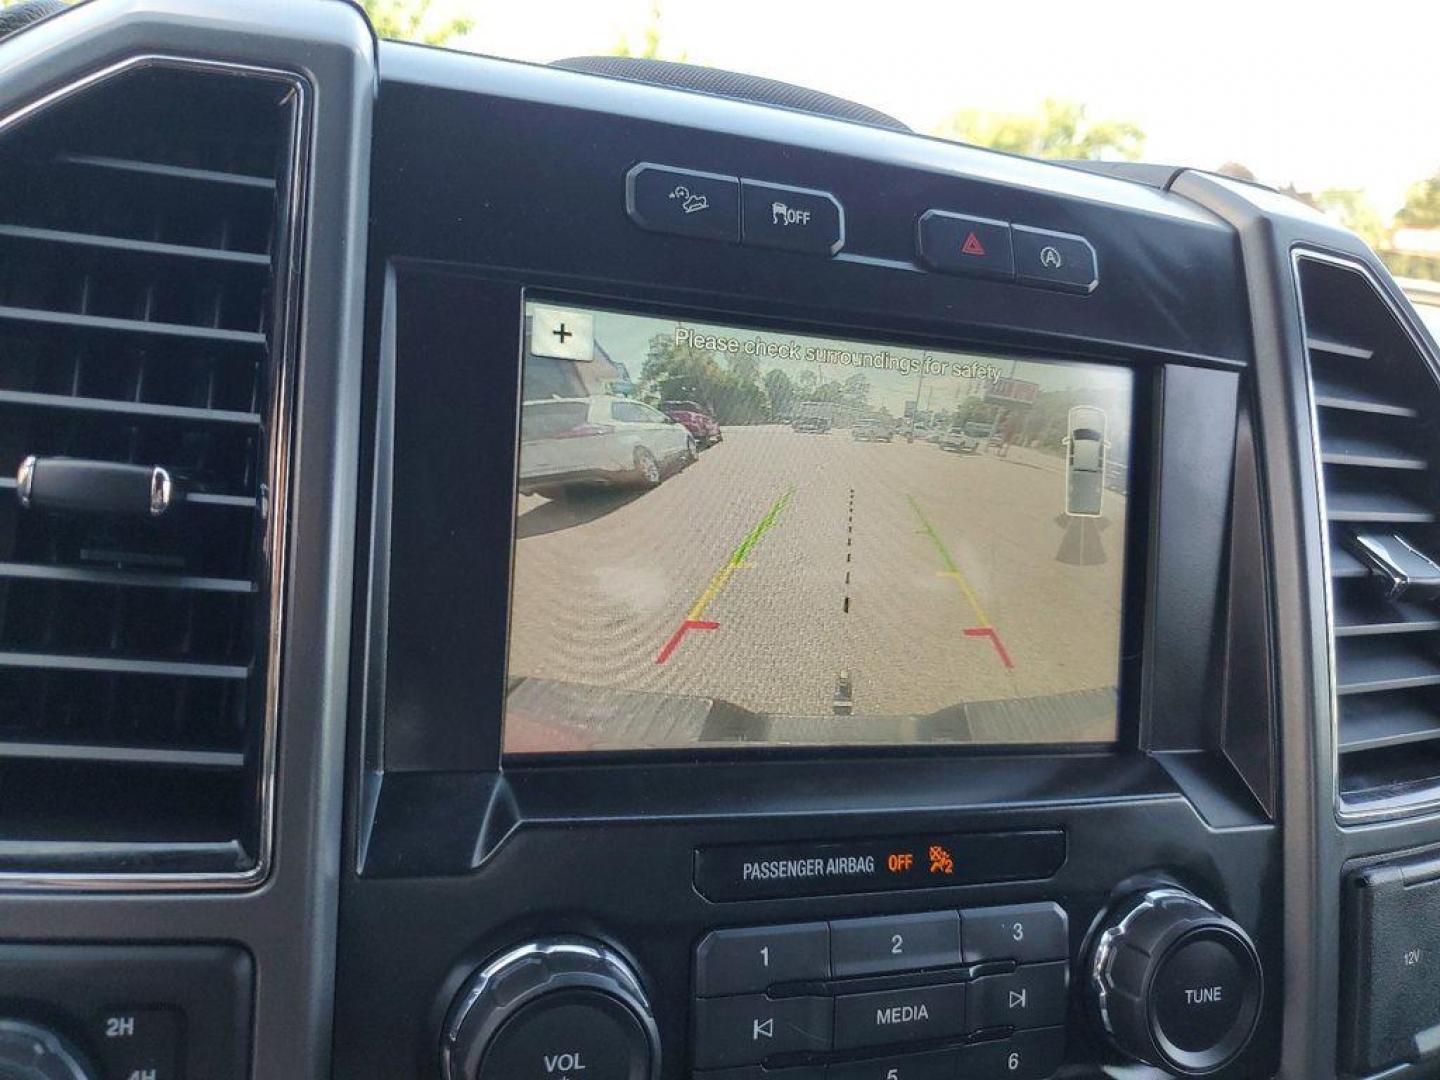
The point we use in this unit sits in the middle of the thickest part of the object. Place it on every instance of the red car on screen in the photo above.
(704, 427)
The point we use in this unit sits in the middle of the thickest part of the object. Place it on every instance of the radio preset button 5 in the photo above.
(899, 1016)
(790, 218)
(894, 943)
(747, 1030)
(754, 958)
(1025, 933)
(934, 1065)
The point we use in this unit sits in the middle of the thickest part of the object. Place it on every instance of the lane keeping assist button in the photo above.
(791, 218)
(958, 244)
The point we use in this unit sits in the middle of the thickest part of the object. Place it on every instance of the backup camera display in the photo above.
(727, 536)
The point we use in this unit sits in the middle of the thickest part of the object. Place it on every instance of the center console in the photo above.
(883, 696)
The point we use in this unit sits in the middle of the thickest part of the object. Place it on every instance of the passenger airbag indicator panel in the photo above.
(768, 871)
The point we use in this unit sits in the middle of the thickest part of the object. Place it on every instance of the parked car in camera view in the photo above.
(966, 438)
(602, 440)
(697, 420)
(872, 429)
(1085, 448)
(814, 417)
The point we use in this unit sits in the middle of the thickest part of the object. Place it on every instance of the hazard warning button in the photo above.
(958, 244)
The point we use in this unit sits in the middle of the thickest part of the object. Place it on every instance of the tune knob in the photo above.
(31, 1052)
(1175, 983)
(557, 1009)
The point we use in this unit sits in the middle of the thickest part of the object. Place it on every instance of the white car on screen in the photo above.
(601, 440)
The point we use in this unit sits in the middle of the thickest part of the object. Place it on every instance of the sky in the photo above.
(1322, 94)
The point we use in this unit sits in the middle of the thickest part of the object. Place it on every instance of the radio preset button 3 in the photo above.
(1025, 933)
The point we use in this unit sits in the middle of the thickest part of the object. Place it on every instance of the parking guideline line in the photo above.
(951, 570)
(737, 557)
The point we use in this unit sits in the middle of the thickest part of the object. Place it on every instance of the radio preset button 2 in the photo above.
(754, 958)
(894, 943)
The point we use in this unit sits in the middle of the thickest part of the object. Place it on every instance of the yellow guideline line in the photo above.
(951, 570)
(737, 558)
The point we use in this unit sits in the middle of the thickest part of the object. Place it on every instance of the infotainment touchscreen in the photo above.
(729, 536)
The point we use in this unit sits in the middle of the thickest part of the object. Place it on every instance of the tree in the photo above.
(781, 392)
(652, 41)
(1061, 129)
(1422, 205)
(686, 372)
(411, 20)
(1355, 212)
(856, 390)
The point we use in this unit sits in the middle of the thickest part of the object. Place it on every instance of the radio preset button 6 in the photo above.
(1026, 1055)
(683, 201)
(894, 943)
(747, 1030)
(752, 959)
(891, 1017)
(1032, 996)
(1025, 933)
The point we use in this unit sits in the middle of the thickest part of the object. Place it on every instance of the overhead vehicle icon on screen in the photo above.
(1085, 448)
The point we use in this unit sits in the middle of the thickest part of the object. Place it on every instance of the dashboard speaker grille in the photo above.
(1377, 404)
(145, 233)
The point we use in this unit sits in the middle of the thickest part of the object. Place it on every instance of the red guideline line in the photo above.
(989, 631)
(674, 642)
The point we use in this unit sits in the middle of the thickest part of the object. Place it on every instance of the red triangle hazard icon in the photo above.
(972, 245)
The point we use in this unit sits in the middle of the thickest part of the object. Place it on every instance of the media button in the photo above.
(683, 201)
(894, 943)
(935, 1065)
(1025, 933)
(755, 958)
(958, 244)
(1033, 996)
(790, 218)
(747, 1030)
(899, 1016)
(1055, 260)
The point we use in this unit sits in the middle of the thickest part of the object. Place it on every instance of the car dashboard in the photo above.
(519, 573)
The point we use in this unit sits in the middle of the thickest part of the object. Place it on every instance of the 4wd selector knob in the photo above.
(31, 1052)
(1175, 983)
(556, 1009)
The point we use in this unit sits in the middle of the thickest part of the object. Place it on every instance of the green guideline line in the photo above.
(738, 555)
(950, 566)
(951, 570)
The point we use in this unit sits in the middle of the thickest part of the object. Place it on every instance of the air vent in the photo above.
(1377, 406)
(144, 269)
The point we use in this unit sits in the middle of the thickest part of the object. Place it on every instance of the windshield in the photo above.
(1334, 109)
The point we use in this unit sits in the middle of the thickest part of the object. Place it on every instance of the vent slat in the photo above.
(134, 247)
(1373, 452)
(1345, 565)
(114, 665)
(1382, 720)
(169, 172)
(1366, 615)
(68, 321)
(79, 575)
(1333, 347)
(124, 755)
(134, 409)
(1360, 504)
(1332, 394)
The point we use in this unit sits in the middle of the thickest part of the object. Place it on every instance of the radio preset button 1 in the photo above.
(899, 1016)
(747, 1030)
(894, 943)
(1025, 933)
(754, 958)
(790, 218)
(683, 201)
(1032, 996)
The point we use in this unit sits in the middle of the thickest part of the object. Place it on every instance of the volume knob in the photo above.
(1176, 984)
(555, 1009)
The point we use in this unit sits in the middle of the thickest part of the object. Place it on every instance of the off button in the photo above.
(791, 218)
